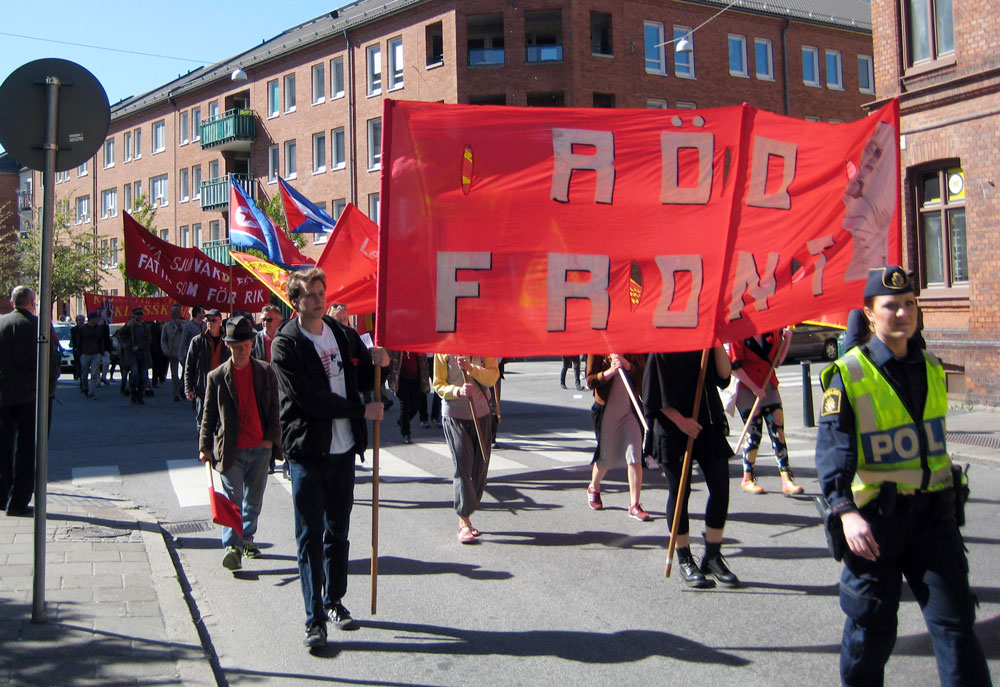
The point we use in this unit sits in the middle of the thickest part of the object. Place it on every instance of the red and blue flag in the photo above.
(303, 216)
(249, 227)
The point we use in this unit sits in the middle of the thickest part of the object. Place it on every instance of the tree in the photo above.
(144, 214)
(274, 208)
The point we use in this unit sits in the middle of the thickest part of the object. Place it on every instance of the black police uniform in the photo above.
(918, 538)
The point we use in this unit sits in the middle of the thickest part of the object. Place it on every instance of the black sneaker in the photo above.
(251, 551)
(715, 566)
(341, 617)
(231, 561)
(315, 635)
(691, 576)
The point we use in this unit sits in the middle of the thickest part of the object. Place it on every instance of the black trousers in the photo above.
(17, 455)
(412, 402)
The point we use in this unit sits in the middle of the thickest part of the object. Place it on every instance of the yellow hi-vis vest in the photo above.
(887, 437)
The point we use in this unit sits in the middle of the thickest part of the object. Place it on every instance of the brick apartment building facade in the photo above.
(942, 64)
(309, 109)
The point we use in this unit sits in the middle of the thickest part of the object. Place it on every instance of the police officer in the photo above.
(883, 467)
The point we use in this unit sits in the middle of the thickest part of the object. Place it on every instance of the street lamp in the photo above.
(683, 44)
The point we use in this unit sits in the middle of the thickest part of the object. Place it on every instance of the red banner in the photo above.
(187, 275)
(115, 309)
(528, 231)
(267, 273)
(350, 260)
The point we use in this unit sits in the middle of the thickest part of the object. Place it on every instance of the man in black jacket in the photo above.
(18, 359)
(322, 367)
(205, 353)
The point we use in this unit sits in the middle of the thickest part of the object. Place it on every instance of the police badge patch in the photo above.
(831, 402)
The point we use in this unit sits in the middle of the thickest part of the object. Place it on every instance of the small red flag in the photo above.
(224, 511)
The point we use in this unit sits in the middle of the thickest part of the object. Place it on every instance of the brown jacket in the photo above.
(596, 364)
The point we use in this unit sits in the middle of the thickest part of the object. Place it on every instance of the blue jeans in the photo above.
(137, 375)
(244, 484)
(323, 497)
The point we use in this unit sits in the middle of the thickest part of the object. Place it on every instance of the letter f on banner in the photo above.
(449, 289)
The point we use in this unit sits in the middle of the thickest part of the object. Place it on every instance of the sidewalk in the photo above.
(116, 611)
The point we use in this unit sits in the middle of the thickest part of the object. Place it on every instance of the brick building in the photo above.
(306, 105)
(940, 61)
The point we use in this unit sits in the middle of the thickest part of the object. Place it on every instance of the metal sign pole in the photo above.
(51, 147)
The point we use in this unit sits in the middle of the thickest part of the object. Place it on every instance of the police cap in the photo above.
(887, 280)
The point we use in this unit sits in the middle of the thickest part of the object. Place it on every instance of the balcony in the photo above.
(218, 251)
(215, 192)
(24, 200)
(232, 130)
(543, 53)
(482, 57)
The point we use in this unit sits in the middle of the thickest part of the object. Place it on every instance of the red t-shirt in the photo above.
(216, 352)
(752, 363)
(251, 432)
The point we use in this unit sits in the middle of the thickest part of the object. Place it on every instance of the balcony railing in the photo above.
(215, 192)
(543, 53)
(218, 250)
(231, 130)
(479, 57)
(24, 200)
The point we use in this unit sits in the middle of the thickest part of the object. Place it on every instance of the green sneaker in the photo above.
(251, 551)
(231, 561)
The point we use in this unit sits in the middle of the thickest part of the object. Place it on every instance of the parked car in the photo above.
(65, 347)
(814, 341)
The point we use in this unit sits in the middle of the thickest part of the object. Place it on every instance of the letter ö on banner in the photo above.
(449, 289)
(595, 290)
(669, 266)
(747, 279)
(763, 149)
(670, 143)
(565, 161)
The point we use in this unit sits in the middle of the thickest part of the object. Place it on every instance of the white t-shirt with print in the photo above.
(342, 439)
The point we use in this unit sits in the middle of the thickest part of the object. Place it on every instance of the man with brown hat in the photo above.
(239, 426)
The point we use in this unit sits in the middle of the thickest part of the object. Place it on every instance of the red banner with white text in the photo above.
(116, 309)
(188, 275)
(530, 231)
(350, 260)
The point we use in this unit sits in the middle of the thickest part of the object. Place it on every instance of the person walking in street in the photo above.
(135, 337)
(171, 337)
(270, 317)
(409, 380)
(74, 332)
(567, 362)
(322, 368)
(755, 361)
(90, 342)
(465, 384)
(205, 353)
(669, 387)
(884, 468)
(616, 424)
(238, 429)
(18, 362)
(192, 328)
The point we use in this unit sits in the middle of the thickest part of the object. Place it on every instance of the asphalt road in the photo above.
(554, 594)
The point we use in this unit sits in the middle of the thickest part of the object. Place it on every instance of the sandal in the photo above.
(465, 535)
(475, 532)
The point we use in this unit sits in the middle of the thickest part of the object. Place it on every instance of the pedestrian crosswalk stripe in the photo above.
(497, 462)
(392, 467)
(96, 473)
(190, 482)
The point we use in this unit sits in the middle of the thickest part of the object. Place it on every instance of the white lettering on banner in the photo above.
(763, 149)
(370, 253)
(148, 262)
(564, 161)
(669, 266)
(670, 143)
(748, 279)
(199, 266)
(190, 289)
(594, 289)
(449, 289)
(816, 247)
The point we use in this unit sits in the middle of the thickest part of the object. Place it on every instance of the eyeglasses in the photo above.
(268, 319)
(212, 319)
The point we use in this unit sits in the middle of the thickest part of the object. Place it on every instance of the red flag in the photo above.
(224, 511)
(350, 260)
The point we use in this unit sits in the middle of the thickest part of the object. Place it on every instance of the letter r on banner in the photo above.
(595, 290)
(449, 289)
(565, 161)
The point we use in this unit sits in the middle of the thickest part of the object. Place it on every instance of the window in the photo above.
(109, 153)
(159, 136)
(127, 197)
(318, 83)
(158, 188)
(319, 153)
(737, 55)
(290, 93)
(941, 227)
(82, 170)
(138, 144)
(213, 109)
(834, 73)
(196, 181)
(165, 234)
(656, 104)
(109, 203)
(929, 31)
(685, 105)
(374, 61)
(183, 128)
(339, 205)
(137, 192)
(213, 169)
(374, 144)
(812, 118)
(338, 148)
(600, 33)
(213, 230)
(543, 36)
(273, 98)
(810, 66)
(183, 191)
(684, 61)
(549, 99)
(395, 63)
(763, 59)
(105, 253)
(290, 160)
(196, 233)
(273, 164)
(866, 74)
(656, 62)
(337, 78)
(373, 207)
(82, 209)
(322, 236)
(485, 40)
(434, 44)
(184, 239)
(114, 253)
(195, 123)
(127, 140)
(494, 99)
(604, 99)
